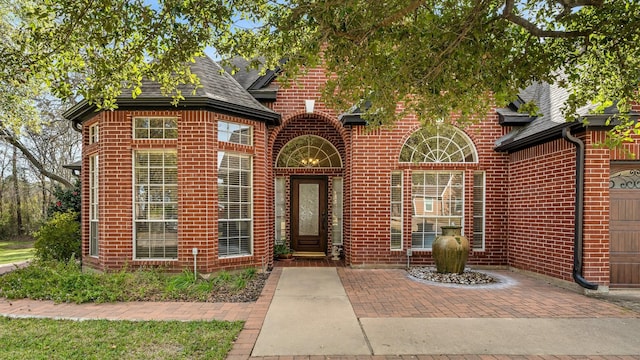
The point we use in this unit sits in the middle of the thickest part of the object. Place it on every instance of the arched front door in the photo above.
(624, 228)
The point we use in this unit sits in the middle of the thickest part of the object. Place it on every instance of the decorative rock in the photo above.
(466, 278)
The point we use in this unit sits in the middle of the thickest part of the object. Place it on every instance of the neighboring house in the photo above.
(245, 163)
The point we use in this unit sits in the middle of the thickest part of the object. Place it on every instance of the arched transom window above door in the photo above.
(309, 151)
(439, 144)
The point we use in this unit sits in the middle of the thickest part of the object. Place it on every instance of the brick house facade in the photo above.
(244, 164)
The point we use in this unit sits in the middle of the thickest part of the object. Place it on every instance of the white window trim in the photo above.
(323, 140)
(93, 133)
(484, 211)
(463, 197)
(401, 211)
(340, 226)
(93, 213)
(238, 124)
(436, 134)
(133, 127)
(251, 220)
(133, 212)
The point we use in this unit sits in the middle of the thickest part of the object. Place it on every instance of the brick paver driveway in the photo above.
(391, 293)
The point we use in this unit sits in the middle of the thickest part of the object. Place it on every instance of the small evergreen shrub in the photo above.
(58, 238)
(67, 200)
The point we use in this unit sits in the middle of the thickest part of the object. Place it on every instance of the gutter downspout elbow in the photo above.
(579, 211)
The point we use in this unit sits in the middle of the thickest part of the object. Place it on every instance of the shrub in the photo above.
(67, 200)
(58, 238)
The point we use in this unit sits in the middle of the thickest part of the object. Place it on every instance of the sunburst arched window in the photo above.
(309, 151)
(439, 144)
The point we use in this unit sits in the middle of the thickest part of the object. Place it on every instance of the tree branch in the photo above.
(577, 3)
(32, 159)
(534, 30)
(398, 15)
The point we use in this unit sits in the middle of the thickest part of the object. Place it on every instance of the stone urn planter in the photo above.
(450, 250)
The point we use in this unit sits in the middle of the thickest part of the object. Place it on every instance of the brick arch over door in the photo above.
(318, 124)
(329, 129)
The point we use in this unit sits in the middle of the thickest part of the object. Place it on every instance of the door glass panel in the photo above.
(308, 205)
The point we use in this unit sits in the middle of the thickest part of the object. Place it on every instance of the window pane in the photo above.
(234, 133)
(478, 210)
(280, 225)
(437, 200)
(93, 205)
(155, 128)
(438, 144)
(336, 208)
(309, 151)
(234, 205)
(396, 211)
(156, 204)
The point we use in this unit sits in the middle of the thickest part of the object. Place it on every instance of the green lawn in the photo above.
(103, 339)
(14, 251)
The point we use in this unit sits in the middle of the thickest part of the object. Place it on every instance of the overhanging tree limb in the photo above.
(534, 30)
(6, 136)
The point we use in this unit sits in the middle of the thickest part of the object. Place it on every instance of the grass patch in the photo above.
(12, 251)
(65, 282)
(103, 339)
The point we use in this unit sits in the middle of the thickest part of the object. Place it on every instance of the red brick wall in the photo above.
(375, 154)
(369, 159)
(595, 267)
(323, 122)
(541, 191)
(197, 195)
(541, 236)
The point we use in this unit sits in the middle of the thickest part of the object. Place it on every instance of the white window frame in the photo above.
(309, 151)
(148, 203)
(399, 219)
(93, 207)
(438, 220)
(164, 129)
(280, 210)
(93, 133)
(337, 210)
(442, 143)
(480, 218)
(250, 203)
(226, 131)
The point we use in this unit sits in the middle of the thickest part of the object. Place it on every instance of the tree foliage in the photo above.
(437, 57)
(433, 57)
(58, 238)
(66, 200)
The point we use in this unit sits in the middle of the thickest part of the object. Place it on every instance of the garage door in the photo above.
(624, 228)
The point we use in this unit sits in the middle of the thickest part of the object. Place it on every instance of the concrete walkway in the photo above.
(310, 314)
(5, 268)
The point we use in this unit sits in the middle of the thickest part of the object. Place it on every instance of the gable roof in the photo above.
(548, 125)
(219, 92)
(259, 86)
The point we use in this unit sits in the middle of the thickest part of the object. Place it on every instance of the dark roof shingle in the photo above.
(218, 91)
